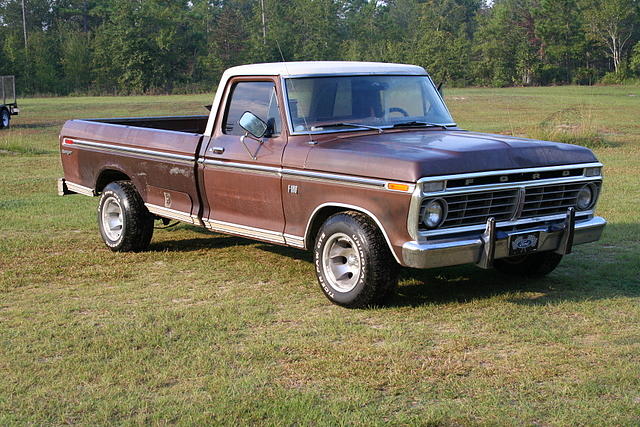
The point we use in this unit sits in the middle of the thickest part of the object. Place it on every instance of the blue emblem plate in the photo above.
(522, 244)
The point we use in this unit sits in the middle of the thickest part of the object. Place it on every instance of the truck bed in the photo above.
(158, 154)
(189, 124)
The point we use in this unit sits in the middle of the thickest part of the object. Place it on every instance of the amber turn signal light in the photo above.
(397, 187)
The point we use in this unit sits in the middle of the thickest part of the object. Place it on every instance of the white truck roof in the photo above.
(306, 68)
(311, 68)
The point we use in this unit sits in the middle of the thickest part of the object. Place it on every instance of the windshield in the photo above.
(316, 103)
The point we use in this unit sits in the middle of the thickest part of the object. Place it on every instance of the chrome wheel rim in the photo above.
(341, 262)
(112, 218)
(5, 119)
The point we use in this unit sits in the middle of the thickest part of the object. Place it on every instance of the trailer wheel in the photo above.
(5, 118)
(125, 223)
(354, 265)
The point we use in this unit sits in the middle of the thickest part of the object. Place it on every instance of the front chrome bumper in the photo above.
(493, 244)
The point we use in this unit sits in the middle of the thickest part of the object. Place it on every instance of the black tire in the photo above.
(532, 265)
(353, 235)
(5, 119)
(124, 222)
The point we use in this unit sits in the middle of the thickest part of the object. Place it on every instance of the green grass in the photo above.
(205, 328)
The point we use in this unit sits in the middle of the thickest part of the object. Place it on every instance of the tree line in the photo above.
(176, 46)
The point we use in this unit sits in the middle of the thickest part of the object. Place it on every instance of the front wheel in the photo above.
(124, 221)
(531, 265)
(5, 119)
(354, 265)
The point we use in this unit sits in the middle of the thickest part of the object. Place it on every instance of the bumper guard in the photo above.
(493, 243)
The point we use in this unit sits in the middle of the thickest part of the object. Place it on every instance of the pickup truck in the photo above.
(361, 163)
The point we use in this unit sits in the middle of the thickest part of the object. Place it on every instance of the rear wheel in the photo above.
(531, 265)
(5, 118)
(125, 223)
(354, 265)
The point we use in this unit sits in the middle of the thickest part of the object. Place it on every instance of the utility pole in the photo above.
(264, 27)
(85, 16)
(24, 26)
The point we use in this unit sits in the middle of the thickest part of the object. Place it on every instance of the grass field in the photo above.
(205, 328)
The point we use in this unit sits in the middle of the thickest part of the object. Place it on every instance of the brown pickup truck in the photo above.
(361, 163)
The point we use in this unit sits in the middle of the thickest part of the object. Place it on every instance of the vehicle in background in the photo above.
(8, 100)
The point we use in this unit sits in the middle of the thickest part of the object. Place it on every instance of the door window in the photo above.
(257, 97)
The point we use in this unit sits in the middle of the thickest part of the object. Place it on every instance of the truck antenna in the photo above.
(304, 118)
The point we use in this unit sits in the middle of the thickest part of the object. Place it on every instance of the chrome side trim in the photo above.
(80, 189)
(174, 214)
(227, 227)
(357, 208)
(244, 231)
(510, 171)
(322, 176)
(178, 158)
(292, 240)
(302, 174)
(243, 166)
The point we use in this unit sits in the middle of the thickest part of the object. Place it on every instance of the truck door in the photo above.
(241, 175)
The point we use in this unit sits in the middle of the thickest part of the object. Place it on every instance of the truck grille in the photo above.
(550, 199)
(477, 208)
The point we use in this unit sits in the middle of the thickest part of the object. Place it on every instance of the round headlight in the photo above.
(434, 213)
(585, 197)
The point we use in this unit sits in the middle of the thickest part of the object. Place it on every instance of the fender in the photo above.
(355, 208)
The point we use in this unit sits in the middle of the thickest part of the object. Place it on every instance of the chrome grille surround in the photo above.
(510, 203)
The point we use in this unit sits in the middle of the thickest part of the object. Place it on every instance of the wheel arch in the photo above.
(107, 176)
(325, 210)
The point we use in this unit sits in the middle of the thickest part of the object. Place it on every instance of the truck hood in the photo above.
(411, 155)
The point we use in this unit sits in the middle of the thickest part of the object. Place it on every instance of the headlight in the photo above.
(586, 197)
(434, 213)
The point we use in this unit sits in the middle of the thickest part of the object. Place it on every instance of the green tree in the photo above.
(612, 24)
(143, 45)
(562, 43)
(443, 43)
(75, 57)
(634, 63)
(317, 30)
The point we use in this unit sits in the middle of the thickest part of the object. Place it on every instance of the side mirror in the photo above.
(253, 124)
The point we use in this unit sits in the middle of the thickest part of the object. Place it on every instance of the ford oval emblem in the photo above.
(524, 243)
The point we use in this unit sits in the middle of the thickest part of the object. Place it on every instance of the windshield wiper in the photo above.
(342, 124)
(414, 123)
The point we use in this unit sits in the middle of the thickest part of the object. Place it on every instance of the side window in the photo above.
(257, 97)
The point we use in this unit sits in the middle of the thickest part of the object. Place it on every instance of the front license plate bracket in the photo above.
(523, 243)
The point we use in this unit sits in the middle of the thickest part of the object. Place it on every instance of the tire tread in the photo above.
(139, 222)
(383, 269)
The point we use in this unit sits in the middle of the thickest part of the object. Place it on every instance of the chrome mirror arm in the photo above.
(244, 144)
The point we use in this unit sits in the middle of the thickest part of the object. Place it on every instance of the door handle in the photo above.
(217, 150)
